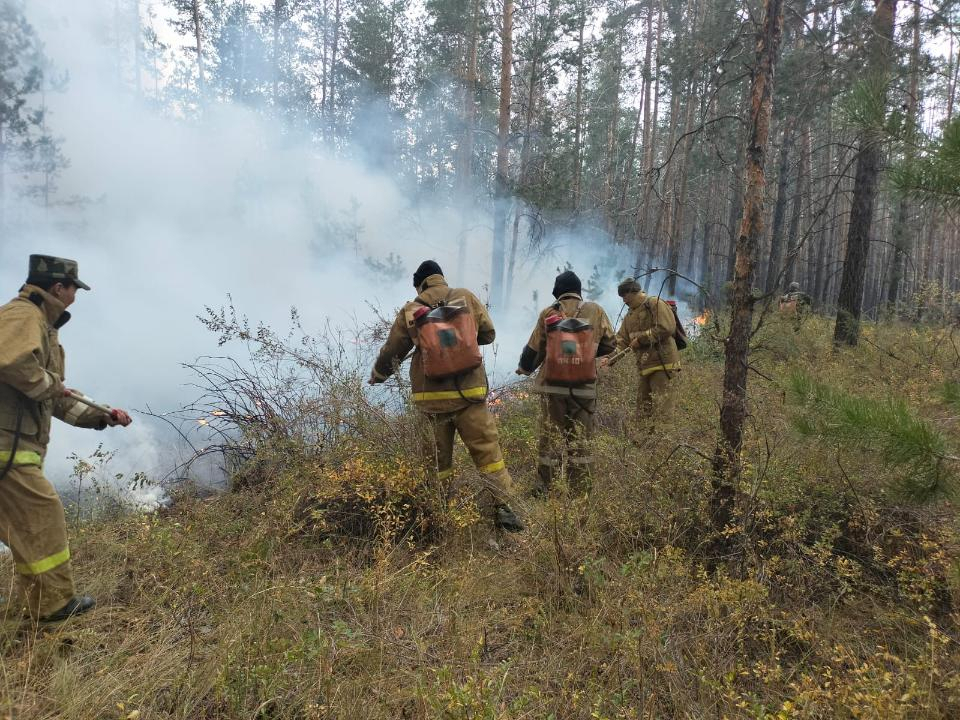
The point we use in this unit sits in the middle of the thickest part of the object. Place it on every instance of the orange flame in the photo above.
(703, 319)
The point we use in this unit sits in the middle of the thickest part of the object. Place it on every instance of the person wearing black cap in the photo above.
(583, 332)
(454, 403)
(31, 392)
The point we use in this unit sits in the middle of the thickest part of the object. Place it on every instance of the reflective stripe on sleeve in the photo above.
(493, 467)
(74, 413)
(42, 388)
(22, 457)
(470, 393)
(44, 565)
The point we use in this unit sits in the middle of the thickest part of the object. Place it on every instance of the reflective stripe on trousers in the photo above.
(44, 564)
(475, 393)
(22, 457)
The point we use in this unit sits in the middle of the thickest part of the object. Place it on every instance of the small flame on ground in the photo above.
(702, 319)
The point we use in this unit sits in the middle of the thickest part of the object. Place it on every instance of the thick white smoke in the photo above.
(185, 212)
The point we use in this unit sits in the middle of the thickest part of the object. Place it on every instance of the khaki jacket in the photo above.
(32, 368)
(572, 305)
(651, 323)
(432, 395)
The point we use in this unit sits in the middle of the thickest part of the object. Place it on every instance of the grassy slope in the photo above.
(837, 603)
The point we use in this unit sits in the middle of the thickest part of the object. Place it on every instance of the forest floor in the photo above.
(837, 597)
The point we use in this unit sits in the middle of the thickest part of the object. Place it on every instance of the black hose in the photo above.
(16, 441)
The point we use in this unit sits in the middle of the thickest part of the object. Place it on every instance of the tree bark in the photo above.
(501, 192)
(578, 117)
(733, 409)
(796, 211)
(197, 34)
(465, 154)
(901, 235)
(525, 151)
(277, 8)
(779, 209)
(649, 150)
(850, 300)
(332, 94)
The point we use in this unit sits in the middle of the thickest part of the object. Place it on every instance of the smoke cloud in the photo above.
(181, 213)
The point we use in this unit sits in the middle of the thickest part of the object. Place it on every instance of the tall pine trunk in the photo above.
(197, 35)
(578, 119)
(465, 154)
(772, 277)
(869, 157)
(501, 192)
(733, 409)
(902, 235)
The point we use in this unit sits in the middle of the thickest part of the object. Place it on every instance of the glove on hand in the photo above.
(119, 417)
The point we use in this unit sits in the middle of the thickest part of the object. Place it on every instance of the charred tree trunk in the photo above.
(736, 203)
(733, 409)
(850, 299)
(779, 209)
(501, 192)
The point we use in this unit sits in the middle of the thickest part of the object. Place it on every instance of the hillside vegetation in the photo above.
(333, 582)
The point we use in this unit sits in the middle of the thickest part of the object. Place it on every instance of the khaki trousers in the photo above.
(566, 424)
(478, 430)
(33, 526)
(654, 395)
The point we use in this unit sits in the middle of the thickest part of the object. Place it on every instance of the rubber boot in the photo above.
(505, 519)
(544, 481)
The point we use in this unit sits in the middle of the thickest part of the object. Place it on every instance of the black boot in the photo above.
(77, 605)
(505, 519)
(544, 481)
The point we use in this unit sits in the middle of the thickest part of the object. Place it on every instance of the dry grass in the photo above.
(837, 603)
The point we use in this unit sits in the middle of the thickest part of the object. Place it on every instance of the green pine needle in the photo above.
(915, 447)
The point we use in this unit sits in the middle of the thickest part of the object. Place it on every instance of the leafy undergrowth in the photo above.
(341, 584)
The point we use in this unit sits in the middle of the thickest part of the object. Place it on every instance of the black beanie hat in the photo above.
(566, 282)
(426, 269)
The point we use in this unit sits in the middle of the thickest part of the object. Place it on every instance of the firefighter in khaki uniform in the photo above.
(454, 404)
(648, 328)
(566, 411)
(32, 523)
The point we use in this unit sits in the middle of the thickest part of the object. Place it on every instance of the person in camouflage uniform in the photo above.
(648, 329)
(566, 413)
(795, 302)
(32, 522)
(454, 405)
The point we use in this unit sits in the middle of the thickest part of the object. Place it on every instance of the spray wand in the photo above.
(617, 356)
(81, 398)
